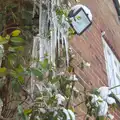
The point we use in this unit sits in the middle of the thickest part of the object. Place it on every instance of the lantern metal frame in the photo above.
(72, 15)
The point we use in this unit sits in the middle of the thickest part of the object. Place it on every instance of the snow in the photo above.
(66, 113)
(96, 98)
(69, 114)
(104, 92)
(103, 109)
(110, 116)
(102, 101)
(76, 7)
(73, 77)
(111, 100)
(60, 99)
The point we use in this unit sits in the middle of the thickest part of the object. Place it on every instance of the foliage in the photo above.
(100, 102)
(53, 92)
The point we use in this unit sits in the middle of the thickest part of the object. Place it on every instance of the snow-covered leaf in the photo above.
(103, 109)
(71, 114)
(60, 99)
(73, 78)
(111, 100)
(110, 116)
(104, 92)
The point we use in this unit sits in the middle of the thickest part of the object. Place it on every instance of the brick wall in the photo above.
(89, 46)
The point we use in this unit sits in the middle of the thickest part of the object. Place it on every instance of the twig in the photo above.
(9, 28)
(79, 104)
(70, 95)
(2, 118)
(114, 87)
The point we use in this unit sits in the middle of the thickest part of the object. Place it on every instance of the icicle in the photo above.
(34, 8)
(53, 48)
(48, 6)
(49, 51)
(34, 50)
(58, 40)
(41, 49)
(62, 39)
(40, 16)
(58, 2)
(66, 48)
(34, 55)
(55, 29)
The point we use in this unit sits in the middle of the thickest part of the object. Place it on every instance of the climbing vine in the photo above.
(37, 80)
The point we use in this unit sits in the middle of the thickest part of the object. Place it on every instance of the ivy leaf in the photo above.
(78, 17)
(21, 79)
(14, 49)
(54, 80)
(16, 33)
(100, 118)
(21, 113)
(37, 72)
(3, 40)
(11, 60)
(17, 40)
(16, 87)
(3, 71)
(7, 37)
(44, 64)
(27, 111)
(20, 110)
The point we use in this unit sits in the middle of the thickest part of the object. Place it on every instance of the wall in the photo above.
(89, 45)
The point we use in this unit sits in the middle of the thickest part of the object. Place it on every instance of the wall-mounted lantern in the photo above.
(80, 18)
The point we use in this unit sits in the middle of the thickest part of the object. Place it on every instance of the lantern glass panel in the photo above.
(80, 21)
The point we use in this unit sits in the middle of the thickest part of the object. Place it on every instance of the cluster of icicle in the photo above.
(58, 33)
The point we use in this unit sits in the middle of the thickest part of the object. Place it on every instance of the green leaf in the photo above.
(54, 80)
(3, 40)
(44, 64)
(27, 111)
(3, 71)
(14, 49)
(21, 79)
(78, 17)
(20, 110)
(12, 60)
(20, 69)
(13, 73)
(15, 85)
(7, 37)
(16, 33)
(17, 40)
(21, 113)
(100, 118)
(38, 73)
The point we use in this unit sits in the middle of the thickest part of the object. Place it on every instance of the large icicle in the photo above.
(58, 32)
(34, 56)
